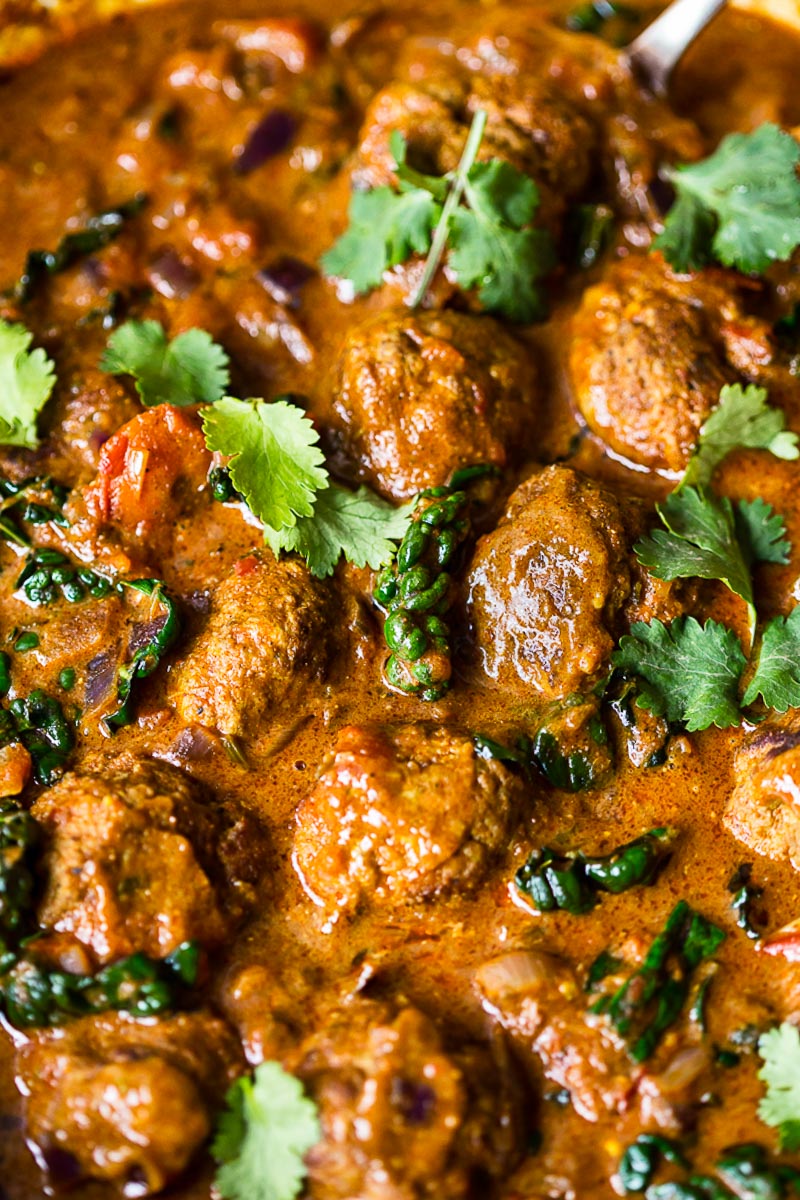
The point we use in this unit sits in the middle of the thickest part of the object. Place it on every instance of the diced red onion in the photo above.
(285, 278)
(100, 675)
(194, 744)
(272, 135)
(171, 276)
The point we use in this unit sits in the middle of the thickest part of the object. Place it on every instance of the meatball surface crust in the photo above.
(264, 637)
(124, 1101)
(650, 352)
(403, 1117)
(551, 585)
(531, 123)
(137, 859)
(402, 815)
(421, 394)
(763, 811)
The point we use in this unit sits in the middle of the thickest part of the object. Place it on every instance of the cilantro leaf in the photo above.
(27, 378)
(276, 463)
(700, 541)
(741, 205)
(687, 672)
(687, 235)
(191, 369)
(761, 532)
(480, 213)
(780, 1050)
(262, 1137)
(489, 247)
(385, 228)
(359, 525)
(777, 677)
(742, 421)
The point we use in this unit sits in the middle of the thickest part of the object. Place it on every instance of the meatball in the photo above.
(402, 814)
(421, 394)
(123, 1101)
(265, 636)
(549, 590)
(136, 859)
(530, 123)
(650, 351)
(763, 811)
(403, 1118)
(536, 997)
(84, 416)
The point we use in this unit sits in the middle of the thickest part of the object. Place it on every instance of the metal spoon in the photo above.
(655, 53)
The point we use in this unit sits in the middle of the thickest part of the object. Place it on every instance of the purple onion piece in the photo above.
(272, 135)
(101, 673)
(415, 1101)
(62, 1167)
(285, 278)
(142, 635)
(171, 276)
(194, 744)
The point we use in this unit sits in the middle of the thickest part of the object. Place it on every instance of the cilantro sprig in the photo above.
(191, 369)
(27, 378)
(743, 420)
(480, 215)
(267, 1128)
(692, 673)
(777, 677)
(687, 672)
(705, 536)
(740, 206)
(276, 463)
(278, 469)
(780, 1107)
(360, 525)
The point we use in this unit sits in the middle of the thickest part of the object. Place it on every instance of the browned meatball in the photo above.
(83, 416)
(530, 123)
(764, 808)
(550, 589)
(421, 394)
(124, 1101)
(650, 351)
(265, 636)
(402, 814)
(403, 1118)
(138, 859)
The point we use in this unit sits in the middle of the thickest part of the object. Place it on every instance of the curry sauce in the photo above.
(343, 855)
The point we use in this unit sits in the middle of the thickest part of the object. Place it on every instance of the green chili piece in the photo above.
(635, 864)
(19, 838)
(147, 657)
(645, 1006)
(66, 678)
(38, 722)
(416, 591)
(5, 673)
(26, 641)
(642, 1159)
(33, 995)
(745, 896)
(97, 232)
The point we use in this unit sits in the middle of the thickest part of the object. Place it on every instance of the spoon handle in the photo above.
(657, 50)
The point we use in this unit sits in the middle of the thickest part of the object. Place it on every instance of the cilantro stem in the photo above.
(474, 139)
